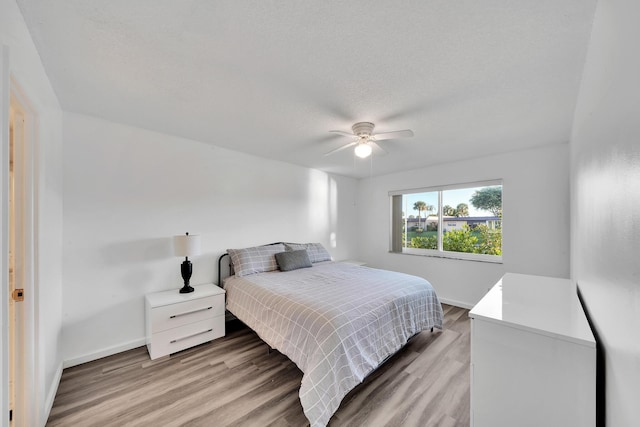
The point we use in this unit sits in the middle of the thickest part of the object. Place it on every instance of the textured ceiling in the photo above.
(271, 78)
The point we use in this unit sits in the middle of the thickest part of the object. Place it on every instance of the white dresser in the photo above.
(533, 356)
(176, 321)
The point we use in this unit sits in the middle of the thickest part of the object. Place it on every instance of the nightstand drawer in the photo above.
(180, 338)
(183, 313)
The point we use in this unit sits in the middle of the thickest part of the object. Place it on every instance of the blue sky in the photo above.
(449, 197)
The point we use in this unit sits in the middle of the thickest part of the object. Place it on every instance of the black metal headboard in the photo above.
(220, 267)
(231, 265)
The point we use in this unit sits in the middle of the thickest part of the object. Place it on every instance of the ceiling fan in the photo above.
(365, 139)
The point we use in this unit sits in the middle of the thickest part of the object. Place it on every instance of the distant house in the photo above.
(454, 223)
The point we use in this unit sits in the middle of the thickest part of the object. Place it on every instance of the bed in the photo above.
(336, 321)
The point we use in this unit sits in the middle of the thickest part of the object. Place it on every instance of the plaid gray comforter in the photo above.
(336, 321)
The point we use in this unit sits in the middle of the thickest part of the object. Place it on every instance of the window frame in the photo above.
(439, 252)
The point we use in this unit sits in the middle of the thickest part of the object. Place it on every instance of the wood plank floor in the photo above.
(235, 381)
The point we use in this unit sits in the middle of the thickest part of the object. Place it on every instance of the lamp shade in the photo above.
(186, 245)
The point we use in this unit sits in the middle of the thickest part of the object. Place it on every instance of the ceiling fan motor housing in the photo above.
(363, 128)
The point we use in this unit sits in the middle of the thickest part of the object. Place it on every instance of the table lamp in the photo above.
(186, 246)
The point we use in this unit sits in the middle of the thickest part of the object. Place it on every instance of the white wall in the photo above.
(27, 71)
(535, 182)
(128, 191)
(605, 209)
(48, 303)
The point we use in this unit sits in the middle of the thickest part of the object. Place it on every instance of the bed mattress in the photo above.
(336, 321)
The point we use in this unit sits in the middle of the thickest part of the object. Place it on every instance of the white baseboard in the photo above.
(457, 303)
(79, 360)
(48, 404)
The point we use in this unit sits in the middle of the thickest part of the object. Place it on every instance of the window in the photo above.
(456, 221)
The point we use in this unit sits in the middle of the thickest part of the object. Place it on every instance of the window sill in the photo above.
(461, 256)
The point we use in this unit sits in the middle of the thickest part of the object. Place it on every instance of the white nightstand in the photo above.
(178, 321)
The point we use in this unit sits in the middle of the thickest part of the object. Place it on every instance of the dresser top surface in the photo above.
(539, 304)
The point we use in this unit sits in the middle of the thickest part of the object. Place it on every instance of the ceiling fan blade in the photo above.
(341, 148)
(342, 133)
(393, 134)
(378, 148)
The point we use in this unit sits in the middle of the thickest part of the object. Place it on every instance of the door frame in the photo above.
(4, 223)
(12, 96)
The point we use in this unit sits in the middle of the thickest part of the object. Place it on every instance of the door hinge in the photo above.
(18, 294)
(10, 414)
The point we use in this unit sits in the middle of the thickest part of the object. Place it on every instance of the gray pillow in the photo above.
(293, 260)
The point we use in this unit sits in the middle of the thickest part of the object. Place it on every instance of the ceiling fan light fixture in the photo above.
(365, 140)
(363, 150)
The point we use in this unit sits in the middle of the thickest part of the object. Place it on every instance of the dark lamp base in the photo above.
(186, 268)
(186, 289)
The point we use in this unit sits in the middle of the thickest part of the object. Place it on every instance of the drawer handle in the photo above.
(190, 336)
(189, 312)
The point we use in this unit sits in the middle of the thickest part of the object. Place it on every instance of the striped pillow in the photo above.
(317, 252)
(255, 260)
